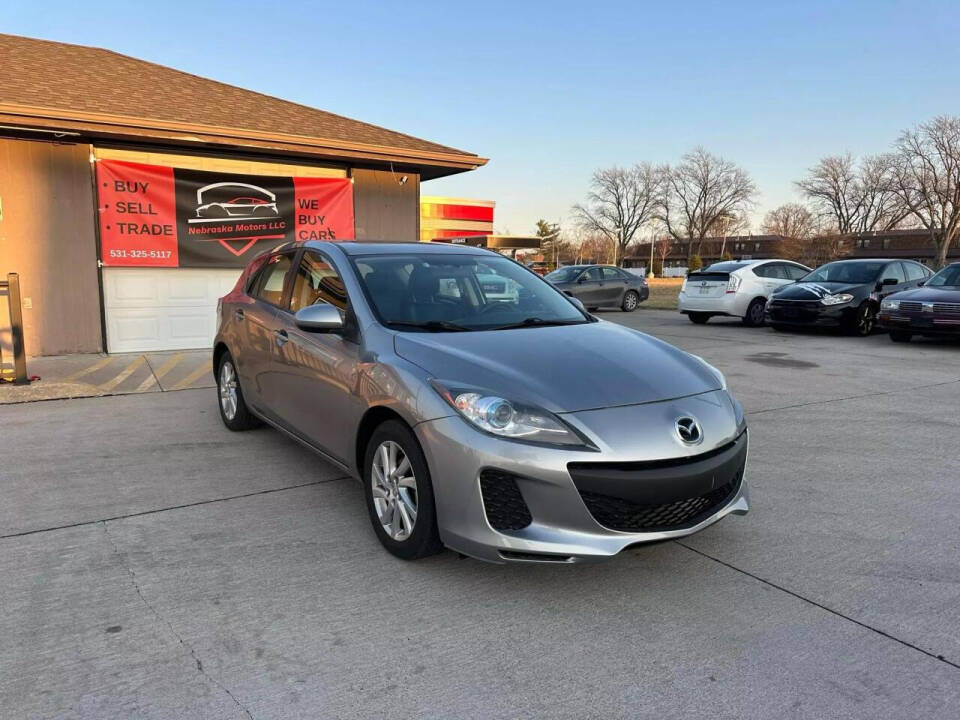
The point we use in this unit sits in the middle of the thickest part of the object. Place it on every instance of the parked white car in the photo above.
(736, 289)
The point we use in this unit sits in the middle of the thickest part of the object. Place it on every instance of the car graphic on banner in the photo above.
(233, 200)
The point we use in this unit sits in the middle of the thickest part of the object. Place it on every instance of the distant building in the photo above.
(445, 217)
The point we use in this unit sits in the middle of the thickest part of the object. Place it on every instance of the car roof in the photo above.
(869, 260)
(388, 248)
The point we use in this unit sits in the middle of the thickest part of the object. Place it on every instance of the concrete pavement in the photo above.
(202, 573)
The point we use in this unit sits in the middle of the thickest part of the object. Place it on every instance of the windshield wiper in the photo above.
(432, 325)
(537, 322)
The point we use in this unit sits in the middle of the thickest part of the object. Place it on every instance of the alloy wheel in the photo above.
(630, 302)
(228, 390)
(865, 326)
(394, 490)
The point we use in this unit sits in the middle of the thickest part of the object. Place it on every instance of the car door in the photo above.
(588, 287)
(317, 372)
(614, 284)
(259, 325)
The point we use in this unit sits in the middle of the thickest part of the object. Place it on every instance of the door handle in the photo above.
(282, 337)
(238, 315)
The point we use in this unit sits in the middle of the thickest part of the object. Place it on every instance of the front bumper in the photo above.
(809, 313)
(567, 493)
(928, 324)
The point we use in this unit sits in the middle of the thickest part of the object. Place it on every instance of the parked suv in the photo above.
(519, 428)
(735, 289)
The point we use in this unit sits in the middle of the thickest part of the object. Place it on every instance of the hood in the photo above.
(561, 369)
(943, 294)
(818, 290)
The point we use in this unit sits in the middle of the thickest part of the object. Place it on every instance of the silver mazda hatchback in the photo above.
(482, 409)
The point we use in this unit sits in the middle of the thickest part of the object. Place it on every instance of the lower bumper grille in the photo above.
(502, 501)
(619, 514)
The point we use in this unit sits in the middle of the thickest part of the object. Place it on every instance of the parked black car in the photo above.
(845, 293)
(933, 309)
(601, 285)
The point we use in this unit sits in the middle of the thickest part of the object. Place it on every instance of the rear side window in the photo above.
(611, 274)
(269, 286)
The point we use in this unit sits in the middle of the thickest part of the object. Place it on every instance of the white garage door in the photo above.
(150, 309)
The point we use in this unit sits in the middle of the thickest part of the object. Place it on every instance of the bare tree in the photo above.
(663, 247)
(796, 226)
(699, 192)
(620, 202)
(924, 173)
(791, 220)
(854, 198)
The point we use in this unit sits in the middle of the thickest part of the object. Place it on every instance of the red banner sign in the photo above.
(171, 217)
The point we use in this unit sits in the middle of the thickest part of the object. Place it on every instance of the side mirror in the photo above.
(921, 283)
(319, 318)
(582, 279)
(889, 281)
(579, 305)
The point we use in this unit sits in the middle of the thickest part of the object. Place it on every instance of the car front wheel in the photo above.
(863, 320)
(399, 493)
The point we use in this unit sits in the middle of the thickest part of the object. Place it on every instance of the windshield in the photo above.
(565, 274)
(949, 277)
(446, 292)
(853, 273)
(726, 266)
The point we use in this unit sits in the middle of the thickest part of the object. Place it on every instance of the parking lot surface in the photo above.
(155, 565)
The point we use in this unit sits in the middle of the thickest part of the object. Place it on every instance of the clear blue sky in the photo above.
(551, 90)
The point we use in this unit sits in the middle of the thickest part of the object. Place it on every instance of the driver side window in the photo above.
(893, 271)
(591, 275)
(317, 281)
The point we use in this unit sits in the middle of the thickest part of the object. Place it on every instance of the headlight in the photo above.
(890, 305)
(836, 299)
(711, 368)
(498, 416)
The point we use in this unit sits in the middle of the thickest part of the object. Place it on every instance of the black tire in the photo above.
(698, 318)
(864, 321)
(901, 336)
(631, 301)
(242, 418)
(424, 540)
(754, 314)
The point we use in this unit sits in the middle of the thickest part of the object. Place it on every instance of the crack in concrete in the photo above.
(268, 491)
(156, 613)
(823, 607)
(879, 393)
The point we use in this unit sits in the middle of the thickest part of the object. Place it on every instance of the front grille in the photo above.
(619, 514)
(909, 306)
(947, 308)
(502, 501)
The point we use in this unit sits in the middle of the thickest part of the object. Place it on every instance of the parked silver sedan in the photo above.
(508, 428)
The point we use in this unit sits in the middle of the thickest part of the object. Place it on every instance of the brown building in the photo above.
(131, 194)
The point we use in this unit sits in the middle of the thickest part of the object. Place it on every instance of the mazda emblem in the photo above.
(689, 430)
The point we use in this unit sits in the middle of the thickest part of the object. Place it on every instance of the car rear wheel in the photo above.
(399, 493)
(900, 336)
(754, 314)
(630, 301)
(233, 409)
(698, 318)
(863, 321)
